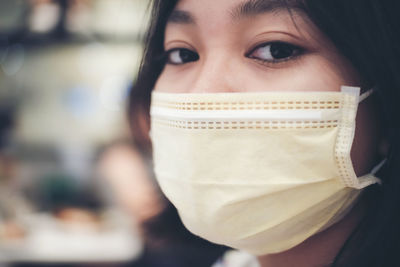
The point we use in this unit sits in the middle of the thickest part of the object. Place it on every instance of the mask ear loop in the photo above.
(383, 161)
(378, 166)
(366, 94)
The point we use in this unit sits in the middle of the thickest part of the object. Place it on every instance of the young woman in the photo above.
(273, 125)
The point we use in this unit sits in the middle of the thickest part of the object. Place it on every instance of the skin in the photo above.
(228, 62)
(126, 173)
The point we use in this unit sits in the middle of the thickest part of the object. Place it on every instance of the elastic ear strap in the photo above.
(378, 166)
(366, 94)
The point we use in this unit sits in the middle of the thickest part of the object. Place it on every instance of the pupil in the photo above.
(184, 55)
(187, 55)
(280, 51)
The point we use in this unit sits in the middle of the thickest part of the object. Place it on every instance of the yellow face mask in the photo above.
(261, 172)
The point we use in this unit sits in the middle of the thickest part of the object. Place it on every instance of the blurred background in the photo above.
(67, 195)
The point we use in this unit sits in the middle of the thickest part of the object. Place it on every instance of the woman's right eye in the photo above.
(179, 56)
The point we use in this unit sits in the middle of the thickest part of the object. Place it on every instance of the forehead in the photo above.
(190, 11)
(210, 19)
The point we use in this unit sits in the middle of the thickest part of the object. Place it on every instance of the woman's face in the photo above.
(253, 46)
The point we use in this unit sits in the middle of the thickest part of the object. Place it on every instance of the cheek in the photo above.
(310, 74)
(165, 84)
(321, 74)
(175, 80)
(159, 85)
(364, 152)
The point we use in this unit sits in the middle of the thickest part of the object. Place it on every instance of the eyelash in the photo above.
(296, 52)
(167, 54)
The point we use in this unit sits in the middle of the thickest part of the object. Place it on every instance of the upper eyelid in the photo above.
(169, 51)
(173, 49)
(178, 44)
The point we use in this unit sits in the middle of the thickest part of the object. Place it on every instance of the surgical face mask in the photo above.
(261, 172)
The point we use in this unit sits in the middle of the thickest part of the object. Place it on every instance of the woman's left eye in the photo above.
(275, 52)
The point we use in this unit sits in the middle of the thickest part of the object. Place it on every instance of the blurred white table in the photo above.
(49, 240)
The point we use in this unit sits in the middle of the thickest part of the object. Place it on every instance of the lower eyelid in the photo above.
(286, 63)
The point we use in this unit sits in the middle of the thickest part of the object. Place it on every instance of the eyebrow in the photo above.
(258, 7)
(243, 10)
(181, 17)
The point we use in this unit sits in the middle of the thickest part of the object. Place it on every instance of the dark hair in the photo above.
(367, 33)
(150, 68)
(165, 227)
